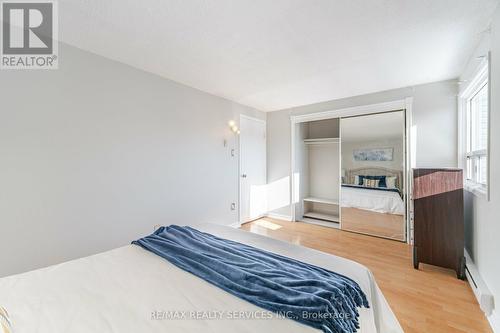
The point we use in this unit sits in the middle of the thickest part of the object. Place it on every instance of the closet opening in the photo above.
(350, 169)
(318, 169)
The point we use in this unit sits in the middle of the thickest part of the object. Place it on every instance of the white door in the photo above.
(253, 189)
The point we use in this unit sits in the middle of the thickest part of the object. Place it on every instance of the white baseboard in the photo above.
(235, 225)
(279, 216)
(494, 320)
(482, 293)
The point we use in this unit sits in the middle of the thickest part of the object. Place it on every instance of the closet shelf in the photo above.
(322, 216)
(329, 224)
(322, 200)
(322, 141)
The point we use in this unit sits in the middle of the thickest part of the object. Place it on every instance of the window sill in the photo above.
(478, 190)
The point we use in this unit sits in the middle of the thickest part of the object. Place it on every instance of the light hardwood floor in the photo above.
(430, 300)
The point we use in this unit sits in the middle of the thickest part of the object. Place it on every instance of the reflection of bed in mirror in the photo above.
(378, 210)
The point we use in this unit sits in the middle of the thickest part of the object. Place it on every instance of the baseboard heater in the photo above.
(480, 289)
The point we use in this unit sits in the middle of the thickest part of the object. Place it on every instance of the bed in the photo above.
(375, 200)
(371, 210)
(132, 290)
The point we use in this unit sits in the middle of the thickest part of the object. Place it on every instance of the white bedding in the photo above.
(373, 200)
(118, 291)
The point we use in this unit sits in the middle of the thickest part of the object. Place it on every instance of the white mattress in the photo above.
(373, 200)
(117, 291)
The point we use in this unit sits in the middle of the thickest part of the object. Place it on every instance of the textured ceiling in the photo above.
(275, 54)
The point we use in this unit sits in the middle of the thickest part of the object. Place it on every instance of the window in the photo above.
(474, 104)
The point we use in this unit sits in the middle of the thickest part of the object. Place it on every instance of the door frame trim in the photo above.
(409, 146)
(242, 116)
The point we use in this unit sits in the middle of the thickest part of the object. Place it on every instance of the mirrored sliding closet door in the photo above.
(372, 168)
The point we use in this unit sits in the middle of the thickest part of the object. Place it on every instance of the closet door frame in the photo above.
(409, 147)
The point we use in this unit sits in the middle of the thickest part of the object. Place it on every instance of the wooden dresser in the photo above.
(438, 221)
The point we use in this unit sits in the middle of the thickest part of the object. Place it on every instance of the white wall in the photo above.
(434, 118)
(278, 161)
(324, 171)
(327, 128)
(93, 155)
(482, 221)
(302, 132)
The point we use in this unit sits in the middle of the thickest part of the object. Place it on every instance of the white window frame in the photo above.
(481, 78)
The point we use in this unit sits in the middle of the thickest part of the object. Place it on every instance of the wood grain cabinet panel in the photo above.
(439, 218)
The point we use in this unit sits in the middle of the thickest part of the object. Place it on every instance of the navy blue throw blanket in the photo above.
(306, 293)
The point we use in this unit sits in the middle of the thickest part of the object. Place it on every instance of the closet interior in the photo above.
(317, 172)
